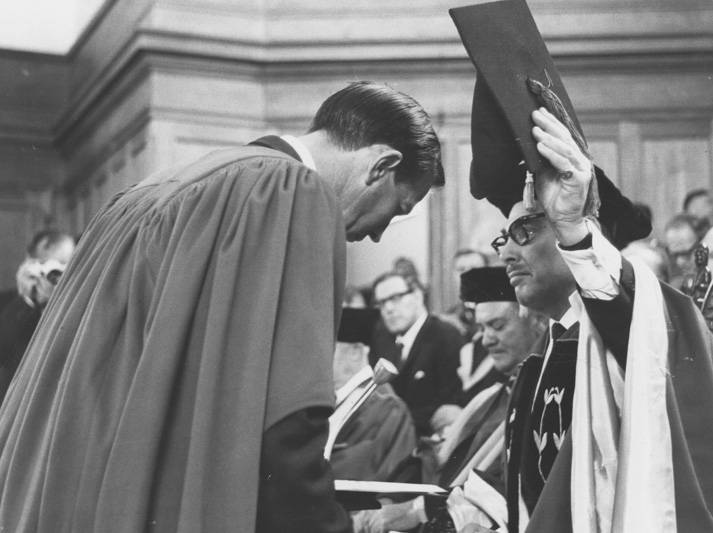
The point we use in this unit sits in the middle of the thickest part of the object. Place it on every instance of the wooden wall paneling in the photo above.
(445, 223)
(61, 212)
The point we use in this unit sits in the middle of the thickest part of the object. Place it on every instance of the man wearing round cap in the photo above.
(370, 443)
(609, 433)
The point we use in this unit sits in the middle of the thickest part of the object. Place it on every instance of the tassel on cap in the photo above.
(550, 101)
(528, 193)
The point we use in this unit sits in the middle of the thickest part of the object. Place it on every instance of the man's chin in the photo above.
(523, 294)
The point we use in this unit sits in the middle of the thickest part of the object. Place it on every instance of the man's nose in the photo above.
(489, 339)
(510, 251)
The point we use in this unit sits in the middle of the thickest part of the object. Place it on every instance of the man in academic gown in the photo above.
(380, 434)
(633, 377)
(181, 376)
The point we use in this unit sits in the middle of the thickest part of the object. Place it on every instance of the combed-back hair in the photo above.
(412, 283)
(46, 239)
(366, 113)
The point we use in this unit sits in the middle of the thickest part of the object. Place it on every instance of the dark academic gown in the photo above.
(689, 407)
(375, 440)
(181, 376)
(537, 423)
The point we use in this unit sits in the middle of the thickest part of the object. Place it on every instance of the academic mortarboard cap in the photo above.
(513, 64)
(509, 54)
(486, 284)
(357, 325)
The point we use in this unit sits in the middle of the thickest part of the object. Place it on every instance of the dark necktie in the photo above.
(398, 354)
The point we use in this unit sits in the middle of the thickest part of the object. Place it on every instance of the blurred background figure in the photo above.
(699, 204)
(680, 238)
(654, 257)
(48, 254)
(354, 298)
(380, 434)
(423, 348)
(407, 268)
(460, 314)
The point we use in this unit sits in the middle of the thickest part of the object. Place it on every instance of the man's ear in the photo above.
(387, 159)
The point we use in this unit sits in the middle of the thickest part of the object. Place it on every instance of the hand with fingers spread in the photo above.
(562, 190)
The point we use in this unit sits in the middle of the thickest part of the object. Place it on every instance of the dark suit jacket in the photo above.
(428, 378)
(18, 322)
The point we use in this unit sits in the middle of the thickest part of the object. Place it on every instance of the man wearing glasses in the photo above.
(423, 348)
(607, 429)
(681, 240)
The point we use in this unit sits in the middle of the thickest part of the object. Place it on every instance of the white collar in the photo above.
(350, 386)
(301, 150)
(408, 338)
(568, 320)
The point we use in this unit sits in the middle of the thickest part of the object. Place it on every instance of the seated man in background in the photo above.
(47, 257)
(681, 239)
(475, 440)
(424, 349)
(380, 434)
(698, 203)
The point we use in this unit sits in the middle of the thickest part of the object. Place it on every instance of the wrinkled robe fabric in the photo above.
(198, 311)
(375, 440)
(689, 398)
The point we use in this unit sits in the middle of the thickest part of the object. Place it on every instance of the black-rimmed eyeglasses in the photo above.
(394, 299)
(518, 232)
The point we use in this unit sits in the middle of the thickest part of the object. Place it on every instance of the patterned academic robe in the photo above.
(537, 424)
(689, 399)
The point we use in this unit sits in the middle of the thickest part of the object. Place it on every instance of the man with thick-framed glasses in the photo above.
(607, 433)
(681, 239)
(424, 348)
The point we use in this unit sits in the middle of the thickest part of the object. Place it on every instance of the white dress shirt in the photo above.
(407, 339)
